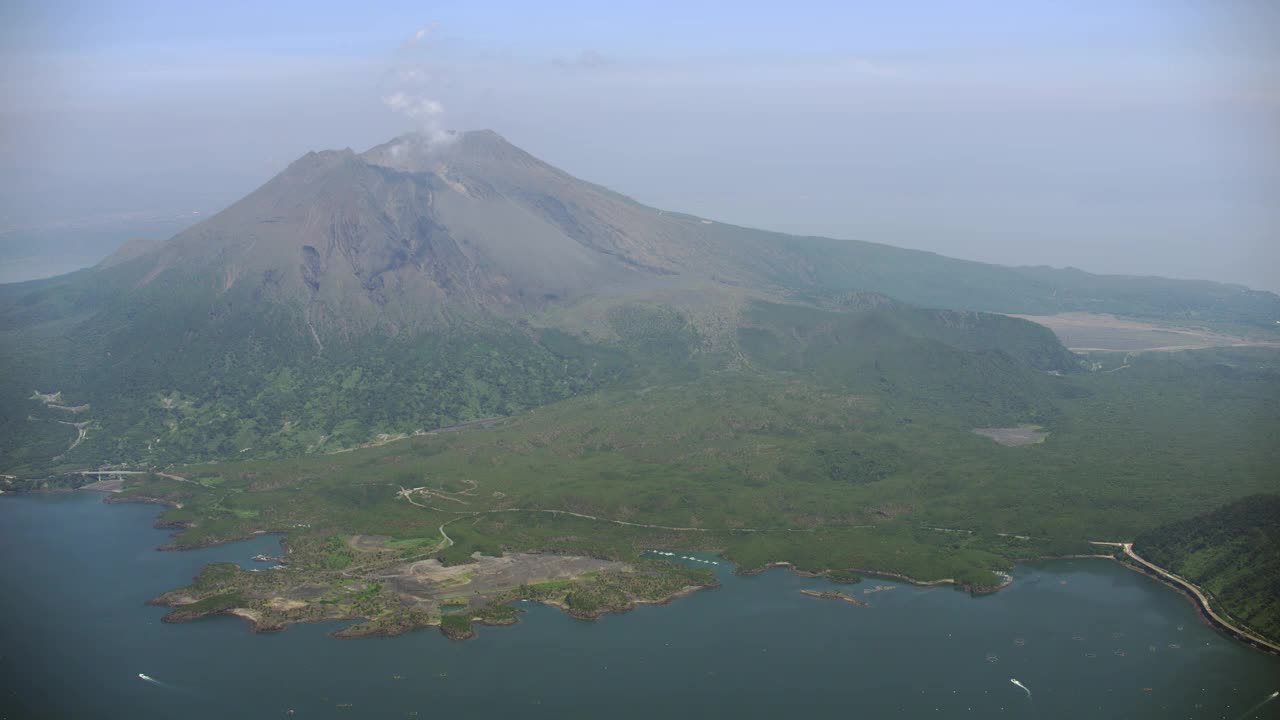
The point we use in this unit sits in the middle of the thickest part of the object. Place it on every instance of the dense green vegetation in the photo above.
(337, 555)
(254, 387)
(456, 626)
(1232, 553)
(827, 466)
(255, 397)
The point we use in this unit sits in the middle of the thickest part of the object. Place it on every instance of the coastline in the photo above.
(120, 499)
(258, 627)
(361, 626)
(1139, 565)
(1006, 579)
(629, 606)
(1127, 558)
(1197, 597)
(835, 595)
(722, 631)
(161, 524)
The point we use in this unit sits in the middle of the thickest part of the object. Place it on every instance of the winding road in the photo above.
(1178, 581)
(1201, 597)
(408, 495)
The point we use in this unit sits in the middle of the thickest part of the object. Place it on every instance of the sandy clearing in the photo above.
(1098, 332)
(1014, 436)
(433, 580)
(245, 613)
(285, 604)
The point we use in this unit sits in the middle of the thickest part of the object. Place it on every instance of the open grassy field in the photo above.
(1084, 332)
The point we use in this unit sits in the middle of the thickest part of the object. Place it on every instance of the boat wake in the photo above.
(148, 679)
(1024, 687)
(1256, 708)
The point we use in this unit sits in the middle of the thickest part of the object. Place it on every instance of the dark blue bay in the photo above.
(1086, 636)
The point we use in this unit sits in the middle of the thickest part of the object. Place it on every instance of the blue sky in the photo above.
(1118, 136)
(624, 26)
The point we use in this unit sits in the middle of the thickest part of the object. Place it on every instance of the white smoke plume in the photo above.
(418, 108)
(413, 89)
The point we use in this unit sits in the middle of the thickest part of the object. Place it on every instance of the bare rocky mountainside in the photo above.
(410, 233)
(420, 284)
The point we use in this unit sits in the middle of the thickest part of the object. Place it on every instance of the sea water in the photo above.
(1087, 638)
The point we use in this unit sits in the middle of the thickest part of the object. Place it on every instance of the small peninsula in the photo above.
(835, 595)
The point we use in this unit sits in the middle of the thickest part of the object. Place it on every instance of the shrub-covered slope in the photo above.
(1232, 552)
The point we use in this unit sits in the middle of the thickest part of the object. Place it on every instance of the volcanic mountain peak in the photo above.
(418, 152)
(426, 228)
(420, 228)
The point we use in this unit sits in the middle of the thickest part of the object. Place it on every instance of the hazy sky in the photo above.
(1116, 136)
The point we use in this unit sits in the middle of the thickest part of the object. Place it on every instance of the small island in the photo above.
(391, 589)
(835, 595)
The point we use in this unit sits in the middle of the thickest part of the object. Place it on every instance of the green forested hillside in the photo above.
(165, 384)
(242, 399)
(827, 472)
(1233, 553)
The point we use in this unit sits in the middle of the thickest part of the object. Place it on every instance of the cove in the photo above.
(1088, 638)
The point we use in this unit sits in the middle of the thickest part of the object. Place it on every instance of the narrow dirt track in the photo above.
(408, 495)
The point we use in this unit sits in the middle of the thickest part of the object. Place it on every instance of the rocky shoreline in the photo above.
(835, 595)
(1201, 610)
(777, 564)
(453, 631)
(120, 499)
(1005, 578)
(162, 524)
(630, 605)
(364, 629)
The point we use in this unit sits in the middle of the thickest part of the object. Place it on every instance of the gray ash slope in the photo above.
(411, 233)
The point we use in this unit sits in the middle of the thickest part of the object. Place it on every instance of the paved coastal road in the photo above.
(1199, 594)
